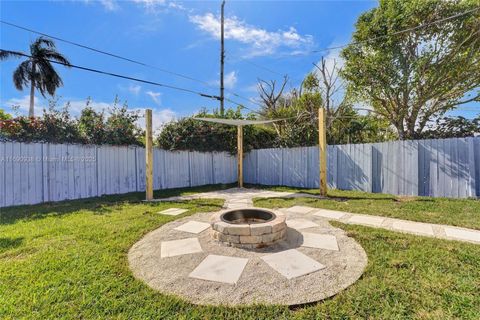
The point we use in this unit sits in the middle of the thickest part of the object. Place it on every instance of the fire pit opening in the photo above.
(249, 227)
(247, 216)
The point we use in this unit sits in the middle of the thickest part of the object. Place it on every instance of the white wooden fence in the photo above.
(40, 172)
(438, 168)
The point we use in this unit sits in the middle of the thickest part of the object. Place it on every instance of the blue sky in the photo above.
(180, 37)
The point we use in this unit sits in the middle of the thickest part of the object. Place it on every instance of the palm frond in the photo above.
(5, 54)
(54, 55)
(21, 75)
(49, 80)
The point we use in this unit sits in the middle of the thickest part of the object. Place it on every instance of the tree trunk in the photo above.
(32, 93)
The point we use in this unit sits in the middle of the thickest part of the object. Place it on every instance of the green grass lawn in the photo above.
(457, 212)
(68, 261)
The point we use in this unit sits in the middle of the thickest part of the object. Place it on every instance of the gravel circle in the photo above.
(259, 283)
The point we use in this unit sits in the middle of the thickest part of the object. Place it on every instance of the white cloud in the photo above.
(156, 6)
(229, 80)
(134, 89)
(76, 106)
(110, 5)
(159, 117)
(155, 96)
(262, 42)
(23, 105)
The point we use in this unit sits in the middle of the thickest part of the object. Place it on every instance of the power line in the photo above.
(368, 40)
(119, 57)
(121, 76)
(104, 52)
(399, 32)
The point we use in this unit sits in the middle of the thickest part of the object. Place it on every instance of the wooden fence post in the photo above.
(149, 155)
(322, 148)
(240, 155)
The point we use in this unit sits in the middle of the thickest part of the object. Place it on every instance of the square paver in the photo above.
(173, 211)
(179, 247)
(292, 263)
(368, 220)
(329, 214)
(301, 224)
(193, 227)
(320, 241)
(463, 234)
(300, 209)
(220, 269)
(414, 227)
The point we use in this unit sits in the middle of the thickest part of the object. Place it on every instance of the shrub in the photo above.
(190, 134)
(119, 127)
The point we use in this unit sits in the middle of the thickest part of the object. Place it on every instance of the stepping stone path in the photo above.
(367, 220)
(173, 211)
(179, 247)
(320, 241)
(413, 227)
(220, 269)
(301, 224)
(292, 263)
(324, 259)
(193, 227)
(463, 234)
(329, 214)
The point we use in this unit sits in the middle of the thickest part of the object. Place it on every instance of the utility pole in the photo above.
(222, 58)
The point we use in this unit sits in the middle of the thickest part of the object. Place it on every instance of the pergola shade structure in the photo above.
(239, 124)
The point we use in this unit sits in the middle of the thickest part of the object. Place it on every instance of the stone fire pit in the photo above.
(249, 228)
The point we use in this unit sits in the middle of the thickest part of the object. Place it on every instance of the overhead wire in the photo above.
(366, 40)
(110, 54)
(121, 76)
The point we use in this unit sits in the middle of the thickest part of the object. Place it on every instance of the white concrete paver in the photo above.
(179, 247)
(368, 220)
(414, 227)
(238, 198)
(173, 211)
(330, 214)
(320, 241)
(301, 224)
(462, 234)
(292, 263)
(300, 209)
(193, 227)
(220, 269)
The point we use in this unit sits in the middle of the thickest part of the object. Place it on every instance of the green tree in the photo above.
(92, 125)
(121, 126)
(4, 115)
(37, 71)
(351, 127)
(453, 127)
(191, 134)
(412, 77)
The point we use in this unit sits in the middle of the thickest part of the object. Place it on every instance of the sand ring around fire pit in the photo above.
(316, 261)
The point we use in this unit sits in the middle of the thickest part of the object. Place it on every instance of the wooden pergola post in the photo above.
(240, 155)
(148, 155)
(322, 148)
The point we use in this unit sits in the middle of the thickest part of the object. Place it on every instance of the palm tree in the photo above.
(37, 71)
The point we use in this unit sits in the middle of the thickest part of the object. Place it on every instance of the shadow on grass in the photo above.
(10, 243)
(98, 205)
